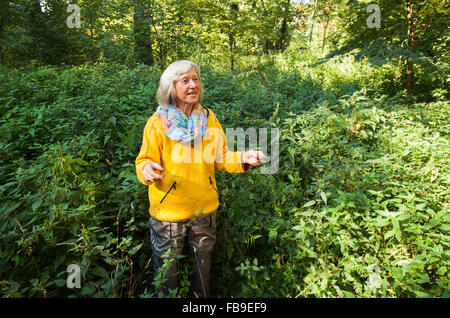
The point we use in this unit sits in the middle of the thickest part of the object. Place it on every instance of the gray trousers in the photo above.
(199, 236)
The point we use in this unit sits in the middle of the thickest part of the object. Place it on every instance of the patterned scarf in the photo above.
(178, 127)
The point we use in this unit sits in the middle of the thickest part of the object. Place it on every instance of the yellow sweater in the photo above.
(188, 189)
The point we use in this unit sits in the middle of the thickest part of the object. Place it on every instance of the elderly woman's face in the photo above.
(188, 88)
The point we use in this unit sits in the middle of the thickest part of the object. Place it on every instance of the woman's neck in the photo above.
(185, 108)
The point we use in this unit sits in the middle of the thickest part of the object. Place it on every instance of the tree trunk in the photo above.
(141, 32)
(234, 8)
(4, 11)
(411, 43)
(284, 27)
(326, 24)
(37, 29)
(312, 25)
(232, 47)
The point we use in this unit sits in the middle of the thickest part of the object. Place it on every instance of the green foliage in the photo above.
(412, 33)
(360, 185)
(412, 39)
(358, 208)
(152, 32)
(68, 170)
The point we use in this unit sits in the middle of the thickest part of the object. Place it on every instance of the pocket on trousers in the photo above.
(206, 228)
(160, 236)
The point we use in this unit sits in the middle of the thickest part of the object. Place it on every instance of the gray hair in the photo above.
(166, 93)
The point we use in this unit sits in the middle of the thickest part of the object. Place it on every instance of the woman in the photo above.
(183, 145)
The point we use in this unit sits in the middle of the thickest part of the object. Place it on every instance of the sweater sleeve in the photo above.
(150, 149)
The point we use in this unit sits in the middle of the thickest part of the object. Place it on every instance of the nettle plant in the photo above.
(357, 208)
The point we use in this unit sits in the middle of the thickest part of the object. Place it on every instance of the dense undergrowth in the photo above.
(358, 207)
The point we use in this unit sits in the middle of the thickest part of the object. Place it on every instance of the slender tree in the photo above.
(330, 3)
(141, 31)
(411, 43)
(313, 21)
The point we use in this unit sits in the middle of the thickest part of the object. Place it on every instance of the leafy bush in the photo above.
(359, 206)
(360, 187)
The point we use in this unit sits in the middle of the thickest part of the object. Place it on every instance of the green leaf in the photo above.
(308, 204)
(333, 220)
(389, 234)
(442, 270)
(364, 134)
(403, 217)
(396, 229)
(272, 235)
(444, 227)
(421, 206)
(80, 162)
(122, 173)
(310, 252)
(324, 197)
(88, 290)
(60, 282)
(435, 221)
(36, 204)
(11, 208)
(135, 249)
(381, 222)
(348, 294)
(101, 272)
(306, 213)
(446, 293)
(421, 294)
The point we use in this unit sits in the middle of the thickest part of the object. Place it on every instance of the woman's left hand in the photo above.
(254, 158)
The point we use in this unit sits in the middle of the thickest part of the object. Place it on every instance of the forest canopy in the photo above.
(412, 33)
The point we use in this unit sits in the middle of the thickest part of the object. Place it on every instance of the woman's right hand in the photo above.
(152, 171)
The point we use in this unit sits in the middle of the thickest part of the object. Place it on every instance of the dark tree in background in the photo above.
(414, 33)
(155, 32)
